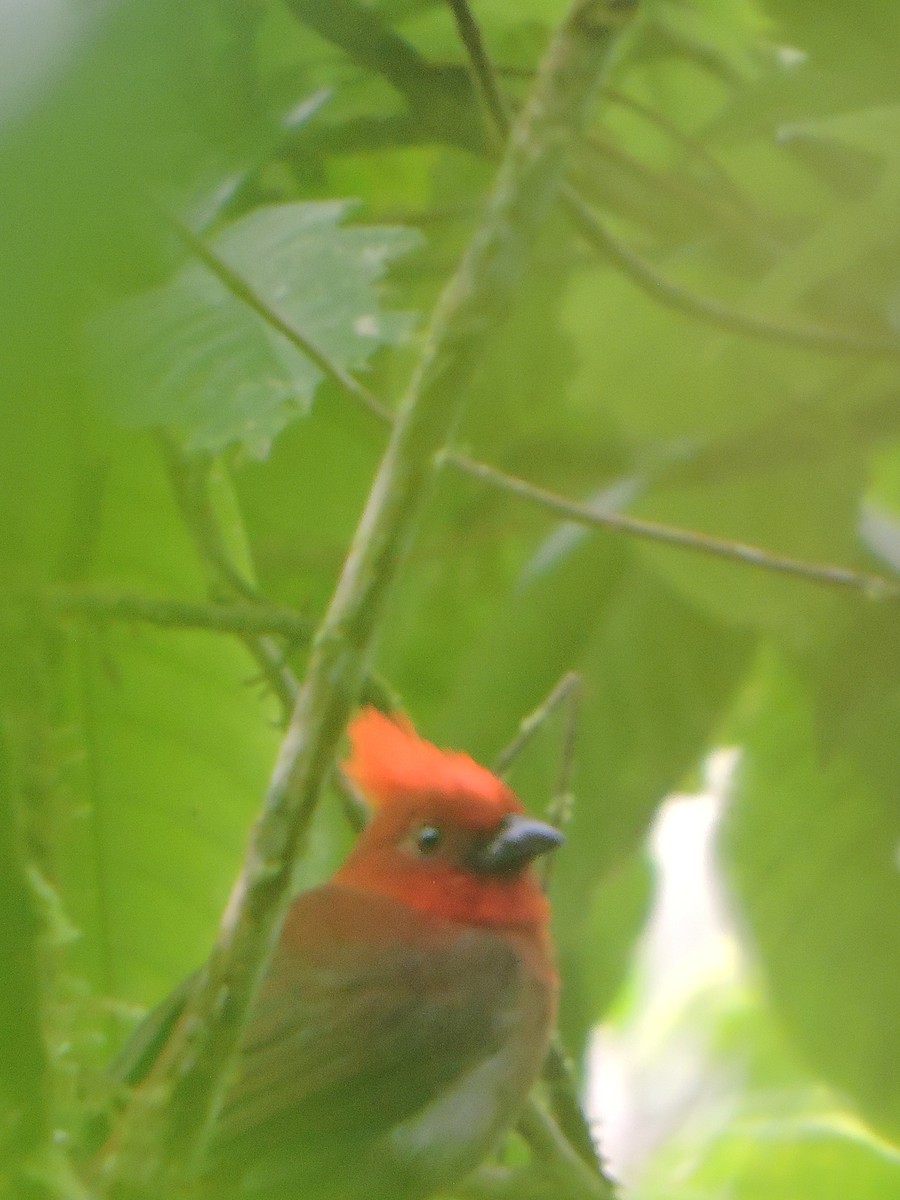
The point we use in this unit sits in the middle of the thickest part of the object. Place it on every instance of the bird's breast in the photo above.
(386, 1066)
(457, 1128)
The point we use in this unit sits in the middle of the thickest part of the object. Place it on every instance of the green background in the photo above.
(749, 153)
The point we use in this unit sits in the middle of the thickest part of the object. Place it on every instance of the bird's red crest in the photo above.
(390, 761)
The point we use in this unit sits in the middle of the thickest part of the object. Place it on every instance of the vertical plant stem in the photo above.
(562, 692)
(191, 485)
(483, 76)
(161, 1137)
(576, 1178)
(24, 1121)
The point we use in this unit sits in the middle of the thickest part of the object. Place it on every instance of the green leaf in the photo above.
(734, 1112)
(596, 964)
(810, 847)
(191, 356)
(783, 1159)
(301, 505)
(173, 753)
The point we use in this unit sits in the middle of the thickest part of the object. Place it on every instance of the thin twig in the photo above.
(242, 619)
(559, 810)
(562, 1090)
(562, 1097)
(529, 725)
(577, 1179)
(687, 201)
(673, 295)
(688, 144)
(564, 694)
(873, 587)
(190, 479)
(243, 290)
(558, 1078)
(483, 75)
(162, 1135)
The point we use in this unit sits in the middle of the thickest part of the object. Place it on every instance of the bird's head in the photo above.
(446, 836)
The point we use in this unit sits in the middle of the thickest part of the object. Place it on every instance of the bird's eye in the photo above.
(429, 839)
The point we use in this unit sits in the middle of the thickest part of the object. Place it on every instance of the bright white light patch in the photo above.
(640, 1075)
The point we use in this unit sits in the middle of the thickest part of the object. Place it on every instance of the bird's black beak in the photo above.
(516, 842)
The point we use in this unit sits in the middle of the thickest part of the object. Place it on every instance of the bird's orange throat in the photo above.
(441, 890)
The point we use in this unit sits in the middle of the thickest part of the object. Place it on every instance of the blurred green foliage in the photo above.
(751, 1121)
(333, 153)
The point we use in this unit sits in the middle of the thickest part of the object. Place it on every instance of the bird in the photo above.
(409, 1002)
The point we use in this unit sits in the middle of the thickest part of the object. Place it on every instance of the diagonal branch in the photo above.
(175, 1111)
(873, 587)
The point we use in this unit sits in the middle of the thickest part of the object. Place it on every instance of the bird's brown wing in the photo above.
(347, 1040)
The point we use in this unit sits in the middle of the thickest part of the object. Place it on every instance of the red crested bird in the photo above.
(409, 1002)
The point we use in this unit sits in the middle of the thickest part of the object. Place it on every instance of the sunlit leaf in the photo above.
(192, 356)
